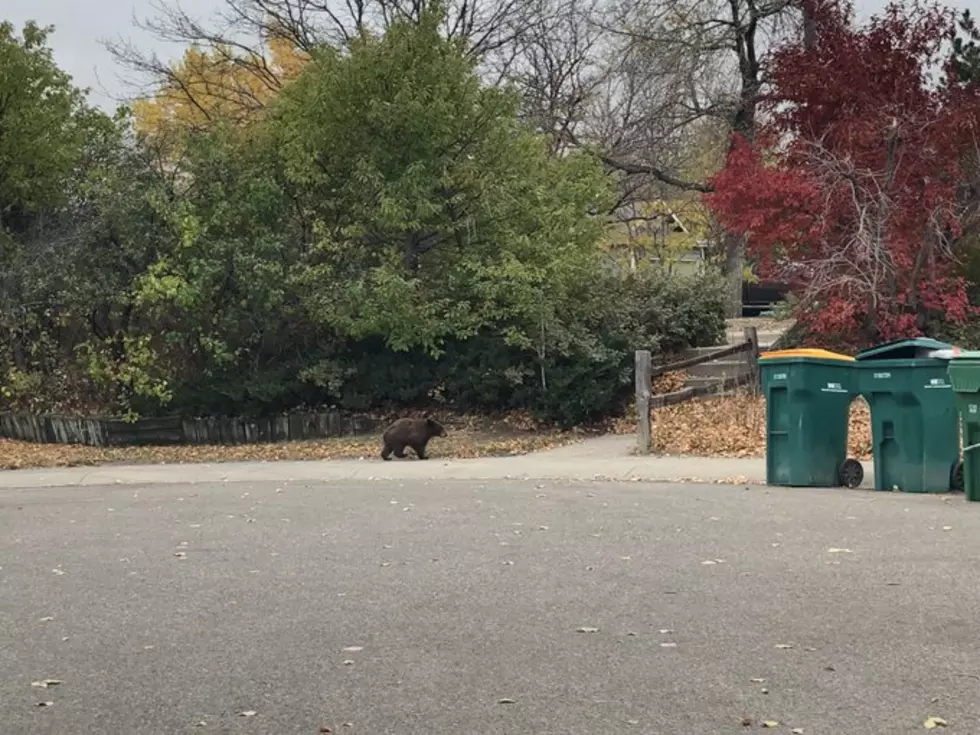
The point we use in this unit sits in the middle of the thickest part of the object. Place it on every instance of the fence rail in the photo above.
(645, 373)
(98, 432)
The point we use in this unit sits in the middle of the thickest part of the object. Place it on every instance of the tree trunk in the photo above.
(732, 270)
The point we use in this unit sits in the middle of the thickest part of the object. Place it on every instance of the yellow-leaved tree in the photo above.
(218, 83)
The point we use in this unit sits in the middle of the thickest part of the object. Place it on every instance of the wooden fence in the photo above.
(176, 430)
(645, 374)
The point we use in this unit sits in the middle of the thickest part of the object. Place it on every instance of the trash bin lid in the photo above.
(967, 355)
(804, 352)
(964, 372)
(902, 349)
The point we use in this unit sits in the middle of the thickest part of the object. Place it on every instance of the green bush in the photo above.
(390, 234)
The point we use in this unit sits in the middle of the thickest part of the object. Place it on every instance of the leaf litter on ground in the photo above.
(724, 426)
(468, 436)
(731, 426)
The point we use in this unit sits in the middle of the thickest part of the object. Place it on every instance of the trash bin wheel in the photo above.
(850, 473)
(956, 481)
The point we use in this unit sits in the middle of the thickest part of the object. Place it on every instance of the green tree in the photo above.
(43, 119)
(438, 212)
(965, 56)
(227, 294)
(70, 227)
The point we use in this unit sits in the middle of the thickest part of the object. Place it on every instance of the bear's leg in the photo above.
(399, 451)
(386, 452)
(420, 450)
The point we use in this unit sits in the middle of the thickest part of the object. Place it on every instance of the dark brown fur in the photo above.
(414, 433)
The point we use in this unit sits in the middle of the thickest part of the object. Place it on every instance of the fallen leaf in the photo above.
(324, 728)
(45, 683)
(506, 700)
(632, 722)
(354, 648)
(665, 631)
(180, 554)
(668, 645)
(47, 619)
(58, 571)
(932, 723)
(947, 528)
(797, 731)
(45, 704)
(586, 629)
(757, 681)
(770, 723)
(784, 645)
(471, 437)
(248, 713)
(348, 662)
(709, 562)
(201, 723)
(764, 690)
(839, 551)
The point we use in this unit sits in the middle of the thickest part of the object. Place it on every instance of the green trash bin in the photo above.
(914, 425)
(808, 398)
(964, 374)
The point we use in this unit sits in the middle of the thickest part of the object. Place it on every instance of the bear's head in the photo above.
(434, 428)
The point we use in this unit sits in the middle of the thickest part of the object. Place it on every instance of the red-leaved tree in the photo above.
(852, 192)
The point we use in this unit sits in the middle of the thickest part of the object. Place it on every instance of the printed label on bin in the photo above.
(833, 388)
(972, 408)
(882, 376)
(937, 383)
(779, 376)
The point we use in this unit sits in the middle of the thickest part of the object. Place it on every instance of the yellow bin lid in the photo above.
(806, 352)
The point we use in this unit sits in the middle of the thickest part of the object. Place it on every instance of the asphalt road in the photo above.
(174, 609)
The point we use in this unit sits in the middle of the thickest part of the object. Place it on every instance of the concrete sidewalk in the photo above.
(607, 457)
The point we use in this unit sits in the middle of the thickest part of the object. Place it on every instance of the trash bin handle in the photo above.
(970, 448)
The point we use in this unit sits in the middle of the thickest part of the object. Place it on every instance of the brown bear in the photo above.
(414, 433)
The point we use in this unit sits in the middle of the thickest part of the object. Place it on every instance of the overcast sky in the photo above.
(80, 24)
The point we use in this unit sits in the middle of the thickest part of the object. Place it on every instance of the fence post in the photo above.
(644, 423)
(752, 337)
